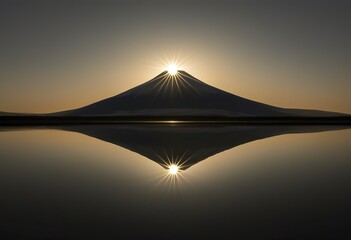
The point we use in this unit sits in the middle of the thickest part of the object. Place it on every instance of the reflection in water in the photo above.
(59, 185)
(173, 169)
(178, 147)
(172, 177)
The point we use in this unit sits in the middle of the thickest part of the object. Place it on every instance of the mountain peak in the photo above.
(178, 85)
(179, 94)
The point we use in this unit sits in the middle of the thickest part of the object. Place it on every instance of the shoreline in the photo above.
(65, 120)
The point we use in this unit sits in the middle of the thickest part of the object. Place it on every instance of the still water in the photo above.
(227, 182)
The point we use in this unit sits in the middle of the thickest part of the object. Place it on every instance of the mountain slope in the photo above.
(181, 95)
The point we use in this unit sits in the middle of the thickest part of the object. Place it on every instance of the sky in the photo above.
(59, 55)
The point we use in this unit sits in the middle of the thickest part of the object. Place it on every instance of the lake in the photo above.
(229, 182)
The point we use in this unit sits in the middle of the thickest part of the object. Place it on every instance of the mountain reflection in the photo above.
(185, 145)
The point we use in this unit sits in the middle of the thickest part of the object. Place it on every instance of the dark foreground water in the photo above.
(234, 182)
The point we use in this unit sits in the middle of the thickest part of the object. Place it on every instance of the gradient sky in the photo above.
(58, 55)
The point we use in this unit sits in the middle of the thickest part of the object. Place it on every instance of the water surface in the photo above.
(112, 182)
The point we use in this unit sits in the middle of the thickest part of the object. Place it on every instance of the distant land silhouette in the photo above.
(188, 144)
(177, 96)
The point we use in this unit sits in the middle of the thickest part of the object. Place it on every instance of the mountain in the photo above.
(182, 95)
(186, 145)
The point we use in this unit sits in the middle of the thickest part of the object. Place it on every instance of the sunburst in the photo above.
(172, 69)
(173, 80)
(174, 173)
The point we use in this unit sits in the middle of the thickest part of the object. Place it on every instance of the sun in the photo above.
(173, 169)
(172, 69)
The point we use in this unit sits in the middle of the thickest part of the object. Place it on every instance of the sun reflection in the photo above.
(173, 169)
(174, 165)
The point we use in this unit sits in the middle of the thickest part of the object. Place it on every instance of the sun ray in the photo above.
(185, 178)
(166, 164)
(173, 80)
(177, 84)
(182, 82)
(189, 84)
(169, 160)
(180, 159)
(161, 87)
(174, 165)
(161, 81)
(166, 87)
(189, 76)
(176, 57)
(172, 83)
(153, 80)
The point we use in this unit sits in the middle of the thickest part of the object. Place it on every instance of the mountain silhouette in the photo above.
(182, 95)
(188, 144)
